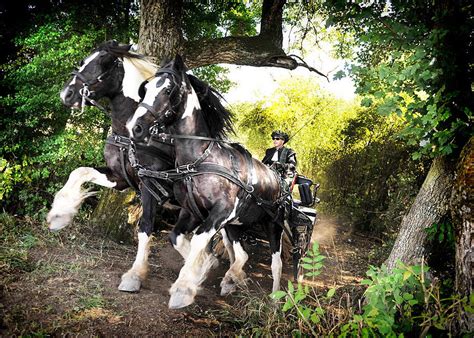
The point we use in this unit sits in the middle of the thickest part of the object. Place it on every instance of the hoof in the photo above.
(130, 284)
(58, 221)
(228, 288)
(180, 298)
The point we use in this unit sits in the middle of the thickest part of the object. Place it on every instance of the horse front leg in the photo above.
(133, 278)
(199, 261)
(186, 223)
(68, 200)
(235, 275)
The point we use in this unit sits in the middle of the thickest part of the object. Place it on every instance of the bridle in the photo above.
(85, 92)
(166, 118)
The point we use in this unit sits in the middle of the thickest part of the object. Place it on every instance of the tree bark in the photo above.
(161, 38)
(160, 29)
(462, 213)
(116, 215)
(431, 204)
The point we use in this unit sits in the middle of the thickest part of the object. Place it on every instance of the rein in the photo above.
(85, 93)
(186, 172)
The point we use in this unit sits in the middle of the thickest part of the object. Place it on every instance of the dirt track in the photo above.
(72, 288)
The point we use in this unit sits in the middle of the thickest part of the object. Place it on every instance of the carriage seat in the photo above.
(304, 188)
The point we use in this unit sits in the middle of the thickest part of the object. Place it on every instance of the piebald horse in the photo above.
(217, 185)
(112, 71)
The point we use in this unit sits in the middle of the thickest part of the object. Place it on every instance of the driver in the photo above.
(283, 159)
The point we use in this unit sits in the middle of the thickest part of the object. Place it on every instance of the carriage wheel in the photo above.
(304, 242)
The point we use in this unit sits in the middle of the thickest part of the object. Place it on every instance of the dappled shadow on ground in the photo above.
(71, 288)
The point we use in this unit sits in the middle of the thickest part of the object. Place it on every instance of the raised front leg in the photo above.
(68, 200)
(133, 278)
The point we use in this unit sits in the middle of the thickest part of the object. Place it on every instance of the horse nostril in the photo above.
(69, 93)
(137, 131)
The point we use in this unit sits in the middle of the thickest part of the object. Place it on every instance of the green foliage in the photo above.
(299, 300)
(411, 57)
(442, 233)
(396, 303)
(215, 76)
(312, 117)
(312, 262)
(219, 19)
(372, 180)
(16, 239)
(41, 141)
(403, 301)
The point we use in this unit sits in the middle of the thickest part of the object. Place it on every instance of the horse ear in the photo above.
(141, 89)
(178, 63)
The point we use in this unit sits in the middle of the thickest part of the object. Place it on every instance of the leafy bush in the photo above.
(400, 302)
(404, 301)
(301, 302)
(41, 141)
(373, 180)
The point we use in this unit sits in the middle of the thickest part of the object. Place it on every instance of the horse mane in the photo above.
(142, 64)
(218, 118)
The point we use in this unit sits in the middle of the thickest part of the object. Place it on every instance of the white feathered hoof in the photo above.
(227, 287)
(181, 297)
(130, 283)
(57, 221)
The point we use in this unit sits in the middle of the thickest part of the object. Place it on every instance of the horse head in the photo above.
(162, 100)
(99, 74)
(173, 96)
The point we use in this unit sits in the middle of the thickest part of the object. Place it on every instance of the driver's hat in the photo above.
(280, 134)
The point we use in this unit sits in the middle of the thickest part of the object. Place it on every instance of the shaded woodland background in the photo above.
(378, 158)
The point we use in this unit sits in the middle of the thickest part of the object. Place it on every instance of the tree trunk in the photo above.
(462, 213)
(431, 204)
(160, 29)
(161, 38)
(116, 215)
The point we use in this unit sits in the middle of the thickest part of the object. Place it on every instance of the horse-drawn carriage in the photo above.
(178, 149)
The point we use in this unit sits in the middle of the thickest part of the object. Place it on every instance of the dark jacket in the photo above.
(285, 156)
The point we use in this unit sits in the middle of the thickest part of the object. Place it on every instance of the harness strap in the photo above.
(123, 153)
(192, 201)
(123, 143)
(165, 136)
(149, 108)
(151, 191)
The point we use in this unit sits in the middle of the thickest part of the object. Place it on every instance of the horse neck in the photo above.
(188, 150)
(122, 109)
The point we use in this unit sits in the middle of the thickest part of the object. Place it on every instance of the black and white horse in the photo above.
(113, 72)
(217, 185)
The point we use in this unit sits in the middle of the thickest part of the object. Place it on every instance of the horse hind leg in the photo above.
(275, 234)
(68, 200)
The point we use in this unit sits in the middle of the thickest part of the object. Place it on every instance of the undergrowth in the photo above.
(405, 301)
